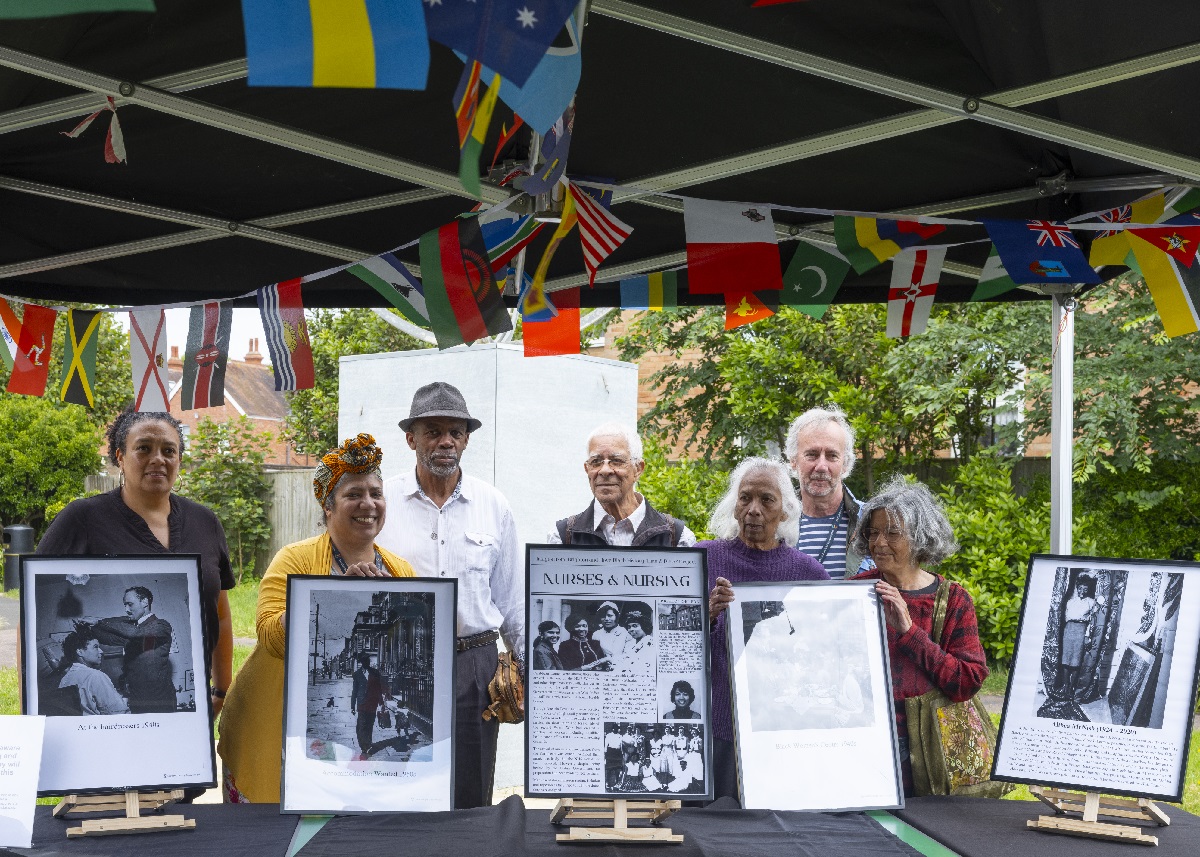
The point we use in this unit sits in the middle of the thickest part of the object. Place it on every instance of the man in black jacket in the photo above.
(618, 516)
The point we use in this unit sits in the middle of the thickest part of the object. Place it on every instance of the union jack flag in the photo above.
(1124, 214)
(1051, 232)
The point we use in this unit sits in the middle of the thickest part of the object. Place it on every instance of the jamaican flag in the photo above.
(79, 359)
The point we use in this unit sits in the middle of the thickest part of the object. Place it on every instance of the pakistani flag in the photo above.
(993, 279)
(813, 278)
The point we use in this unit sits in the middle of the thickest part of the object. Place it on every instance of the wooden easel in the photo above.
(131, 803)
(1091, 805)
(621, 812)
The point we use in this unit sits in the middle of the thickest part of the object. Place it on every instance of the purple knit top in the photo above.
(737, 562)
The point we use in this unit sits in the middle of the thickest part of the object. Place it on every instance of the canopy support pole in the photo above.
(1062, 421)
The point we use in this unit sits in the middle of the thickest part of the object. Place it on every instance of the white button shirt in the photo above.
(619, 534)
(472, 538)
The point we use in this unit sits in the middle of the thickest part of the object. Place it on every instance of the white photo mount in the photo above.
(128, 711)
(400, 758)
(1101, 689)
(810, 681)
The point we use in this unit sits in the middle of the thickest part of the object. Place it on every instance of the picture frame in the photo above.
(1104, 677)
(110, 648)
(617, 707)
(399, 757)
(811, 684)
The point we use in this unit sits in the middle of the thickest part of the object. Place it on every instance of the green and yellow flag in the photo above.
(79, 359)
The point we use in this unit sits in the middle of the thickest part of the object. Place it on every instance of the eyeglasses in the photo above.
(889, 535)
(616, 462)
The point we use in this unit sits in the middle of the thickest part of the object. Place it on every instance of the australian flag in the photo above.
(507, 36)
(1040, 251)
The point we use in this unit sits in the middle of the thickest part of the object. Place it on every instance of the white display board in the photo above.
(536, 412)
(1103, 680)
(20, 758)
(812, 697)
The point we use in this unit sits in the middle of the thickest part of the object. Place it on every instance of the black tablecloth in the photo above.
(508, 829)
(221, 831)
(975, 827)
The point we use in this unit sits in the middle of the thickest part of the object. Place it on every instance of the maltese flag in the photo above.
(915, 274)
(731, 248)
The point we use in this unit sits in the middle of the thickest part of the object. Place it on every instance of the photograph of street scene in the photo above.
(370, 675)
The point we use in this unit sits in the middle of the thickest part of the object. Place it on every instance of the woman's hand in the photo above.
(365, 569)
(895, 608)
(720, 598)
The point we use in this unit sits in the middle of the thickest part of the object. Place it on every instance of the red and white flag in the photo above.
(731, 248)
(31, 362)
(148, 358)
(114, 140)
(599, 231)
(915, 274)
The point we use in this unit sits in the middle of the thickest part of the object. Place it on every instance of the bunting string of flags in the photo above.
(732, 250)
(114, 138)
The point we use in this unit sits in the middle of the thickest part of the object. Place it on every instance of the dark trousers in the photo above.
(365, 728)
(474, 737)
(724, 769)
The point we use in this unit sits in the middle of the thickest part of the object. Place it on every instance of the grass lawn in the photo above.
(243, 599)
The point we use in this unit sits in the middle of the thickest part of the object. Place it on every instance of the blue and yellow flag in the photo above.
(348, 43)
(656, 291)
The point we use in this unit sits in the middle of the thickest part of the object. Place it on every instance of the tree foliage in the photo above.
(223, 469)
(48, 450)
(312, 421)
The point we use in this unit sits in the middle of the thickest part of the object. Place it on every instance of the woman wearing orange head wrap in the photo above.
(348, 486)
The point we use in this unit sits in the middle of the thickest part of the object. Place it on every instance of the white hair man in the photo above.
(449, 524)
(618, 515)
(820, 447)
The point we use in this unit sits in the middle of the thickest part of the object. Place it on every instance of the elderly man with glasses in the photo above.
(618, 516)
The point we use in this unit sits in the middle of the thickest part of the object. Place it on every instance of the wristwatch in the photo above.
(217, 694)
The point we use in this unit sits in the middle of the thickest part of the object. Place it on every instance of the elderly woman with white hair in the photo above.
(903, 529)
(755, 525)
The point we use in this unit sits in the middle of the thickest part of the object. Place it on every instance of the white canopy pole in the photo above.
(1062, 421)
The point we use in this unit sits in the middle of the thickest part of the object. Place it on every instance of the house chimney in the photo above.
(175, 361)
(252, 356)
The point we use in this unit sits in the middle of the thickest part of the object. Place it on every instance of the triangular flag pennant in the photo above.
(148, 359)
(1178, 242)
(731, 248)
(557, 335)
(556, 147)
(357, 44)
(206, 356)
(544, 312)
(993, 279)
(599, 231)
(1175, 288)
(508, 36)
(1185, 201)
(391, 278)
(1111, 246)
(10, 330)
(744, 308)
(79, 360)
(282, 313)
(868, 241)
(466, 100)
(461, 294)
(915, 275)
(536, 298)
(813, 278)
(31, 363)
(656, 291)
(505, 237)
(551, 86)
(1040, 251)
(472, 146)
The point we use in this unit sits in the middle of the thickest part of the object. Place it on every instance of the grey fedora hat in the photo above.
(439, 399)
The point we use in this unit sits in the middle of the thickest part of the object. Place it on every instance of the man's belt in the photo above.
(476, 640)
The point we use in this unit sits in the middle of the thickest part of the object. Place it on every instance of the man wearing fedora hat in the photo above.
(449, 524)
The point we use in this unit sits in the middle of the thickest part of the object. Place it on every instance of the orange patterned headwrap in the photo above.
(355, 455)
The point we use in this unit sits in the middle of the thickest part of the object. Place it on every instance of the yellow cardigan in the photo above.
(251, 742)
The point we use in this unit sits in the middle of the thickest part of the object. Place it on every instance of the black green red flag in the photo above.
(79, 358)
(206, 356)
(461, 294)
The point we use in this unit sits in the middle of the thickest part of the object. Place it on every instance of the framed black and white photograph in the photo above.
(113, 654)
(812, 692)
(369, 695)
(1104, 676)
(617, 697)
